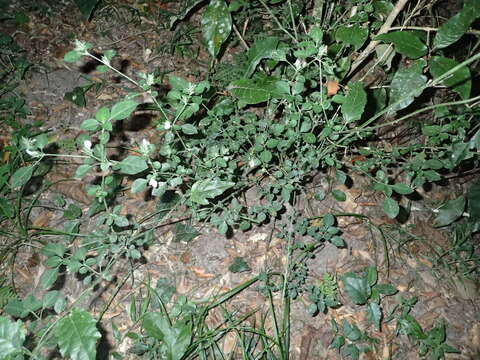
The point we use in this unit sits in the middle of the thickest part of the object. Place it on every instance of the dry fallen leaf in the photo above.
(332, 87)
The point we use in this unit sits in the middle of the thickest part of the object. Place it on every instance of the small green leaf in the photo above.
(21, 176)
(185, 233)
(208, 189)
(12, 337)
(189, 129)
(391, 208)
(372, 275)
(473, 197)
(406, 43)
(86, 7)
(374, 314)
(339, 195)
(82, 170)
(216, 25)
(354, 102)
(77, 335)
(460, 81)
(450, 211)
(259, 89)
(386, 289)
(239, 265)
(402, 189)
(123, 109)
(90, 125)
(72, 56)
(266, 156)
(139, 185)
(103, 114)
(72, 212)
(6, 208)
(132, 165)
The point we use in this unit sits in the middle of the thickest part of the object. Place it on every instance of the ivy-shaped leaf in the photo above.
(354, 102)
(216, 25)
(208, 189)
(460, 81)
(77, 335)
(406, 43)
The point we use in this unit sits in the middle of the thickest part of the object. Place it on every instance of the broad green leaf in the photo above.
(123, 109)
(12, 336)
(155, 324)
(50, 298)
(132, 165)
(386, 289)
(189, 129)
(450, 211)
(406, 85)
(354, 102)
(208, 189)
(185, 233)
(239, 265)
(372, 275)
(72, 212)
(48, 278)
(352, 35)
(473, 196)
(264, 48)
(357, 288)
(178, 83)
(457, 25)
(86, 7)
(259, 89)
(21, 176)
(374, 314)
(391, 208)
(15, 308)
(460, 81)
(216, 25)
(406, 43)
(103, 114)
(77, 335)
(351, 331)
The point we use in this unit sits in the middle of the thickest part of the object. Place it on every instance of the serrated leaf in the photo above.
(450, 211)
(216, 25)
(72, 56)
(406, 43)
(259, 89)
(406, 85)
(12, 336)
(185, 233)
(374, 314)
(264, 48)
(352, 35)
(77, 335)
(132, 165)
(391, 208)
(208, 189)
(86, 7)
(48, 278)
(357, 288)
(21, 176)
(460, 81)
(457, 25)
(123, 109)
(354, 102)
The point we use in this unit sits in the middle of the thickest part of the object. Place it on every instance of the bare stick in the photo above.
(385, 27)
